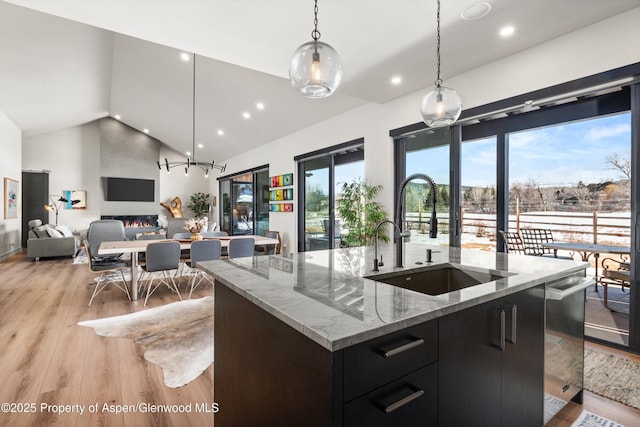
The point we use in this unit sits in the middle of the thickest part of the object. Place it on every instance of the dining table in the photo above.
(586, 250)
(134, 247)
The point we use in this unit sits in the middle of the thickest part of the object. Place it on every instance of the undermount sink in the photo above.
(440, 279)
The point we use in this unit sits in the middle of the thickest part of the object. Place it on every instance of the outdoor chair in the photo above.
(614, 272)
(161, 258)
(534, 239)
(512, 242)
(202, 250)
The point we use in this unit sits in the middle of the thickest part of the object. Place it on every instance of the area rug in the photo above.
(80, 258)
(178, 337)
(587, 419)
(613, 377)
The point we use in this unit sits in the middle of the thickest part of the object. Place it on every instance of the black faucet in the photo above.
(377, 263)
(433, 223)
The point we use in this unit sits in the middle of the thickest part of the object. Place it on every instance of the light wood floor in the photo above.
(45, 358)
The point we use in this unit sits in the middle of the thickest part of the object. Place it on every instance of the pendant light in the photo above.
(315, 69)
(191, 161)
(442, 106)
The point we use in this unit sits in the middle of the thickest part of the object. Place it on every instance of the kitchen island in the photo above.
(317, 339)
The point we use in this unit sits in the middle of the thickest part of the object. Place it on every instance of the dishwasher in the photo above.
(564, 342)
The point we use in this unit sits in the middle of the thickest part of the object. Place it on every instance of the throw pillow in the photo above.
(41, 231)
(52, 232)
(65, 230)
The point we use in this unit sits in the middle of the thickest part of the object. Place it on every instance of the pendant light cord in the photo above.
(438, 79)
(193, 110)
(315, 34)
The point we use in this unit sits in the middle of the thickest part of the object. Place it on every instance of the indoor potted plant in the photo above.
(360, 213)
(199, 204)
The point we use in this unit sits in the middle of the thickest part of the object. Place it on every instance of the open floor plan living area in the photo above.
(320, 213)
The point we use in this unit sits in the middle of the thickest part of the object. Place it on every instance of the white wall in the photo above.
(10, 167)
(176, 184)
(600, 47)
(73, 157)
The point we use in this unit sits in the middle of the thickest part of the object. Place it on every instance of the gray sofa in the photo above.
(50, 241)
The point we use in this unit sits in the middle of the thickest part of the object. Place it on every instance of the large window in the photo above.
(427, 153)
(479, 196)
(321, 175)
(244, 207)
(575, 180)
(564, 159)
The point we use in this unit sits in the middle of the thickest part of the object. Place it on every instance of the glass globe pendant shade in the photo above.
(315, 69)
(441, 107)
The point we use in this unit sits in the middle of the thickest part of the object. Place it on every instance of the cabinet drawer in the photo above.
(410, 401)
(381, 360)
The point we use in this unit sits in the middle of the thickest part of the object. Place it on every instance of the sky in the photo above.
(555, 155)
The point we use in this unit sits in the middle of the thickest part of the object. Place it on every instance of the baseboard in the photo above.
(10, 254)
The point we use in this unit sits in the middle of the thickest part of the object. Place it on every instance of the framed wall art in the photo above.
(77, 199)
(10, 198)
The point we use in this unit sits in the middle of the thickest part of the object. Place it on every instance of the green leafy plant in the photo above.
(199, 204)
(360, 213)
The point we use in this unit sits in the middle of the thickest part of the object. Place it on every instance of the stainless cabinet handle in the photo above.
(400, 403)
(503, 328)
(402, 348)
(514, 323)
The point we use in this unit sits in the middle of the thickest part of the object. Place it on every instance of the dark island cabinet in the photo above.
(491, 363)
(482, 366)
(268, 374)
(393, 380)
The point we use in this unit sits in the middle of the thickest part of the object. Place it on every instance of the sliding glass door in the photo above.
(321, 175)
(245, 202)
(574, 179)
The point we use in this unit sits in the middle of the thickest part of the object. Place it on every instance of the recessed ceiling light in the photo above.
(117, 116)
(220, 132)
(507, 31)
(396, 80)
(200, 145)
(185, 56)
(246, 115)
(475, 10)
(188, 153)
(145, 130)
(259, 105)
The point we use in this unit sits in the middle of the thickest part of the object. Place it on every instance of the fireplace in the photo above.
(135, 221)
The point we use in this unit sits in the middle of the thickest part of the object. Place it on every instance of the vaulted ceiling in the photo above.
(67, 62)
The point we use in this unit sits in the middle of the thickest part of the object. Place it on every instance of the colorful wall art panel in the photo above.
(282, 180)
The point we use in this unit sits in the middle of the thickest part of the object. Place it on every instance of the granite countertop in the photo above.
(325, 295)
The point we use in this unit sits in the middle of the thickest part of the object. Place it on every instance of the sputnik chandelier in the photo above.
(191, 159)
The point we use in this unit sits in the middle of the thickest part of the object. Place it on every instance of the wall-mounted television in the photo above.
(129, 190)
